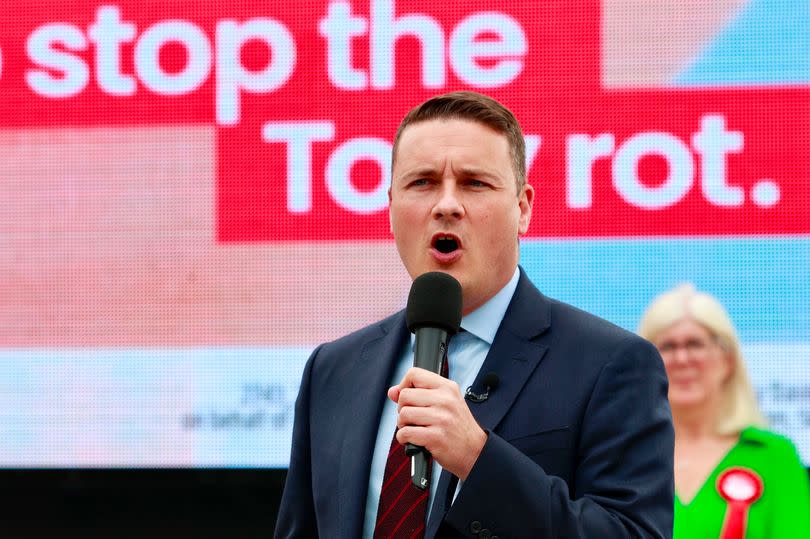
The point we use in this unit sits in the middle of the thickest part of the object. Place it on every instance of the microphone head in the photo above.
(434, 301)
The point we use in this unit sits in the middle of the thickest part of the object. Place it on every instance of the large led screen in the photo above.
(193, 195)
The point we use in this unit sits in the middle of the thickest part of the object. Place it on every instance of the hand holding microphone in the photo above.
(432, 411)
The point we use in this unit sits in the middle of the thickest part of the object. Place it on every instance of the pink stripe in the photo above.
(395, 474)
(381, 518)
(109, 239)
(632, 55)
(418, 531)
(413, 507)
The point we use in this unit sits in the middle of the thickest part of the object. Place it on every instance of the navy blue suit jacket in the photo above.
(580, 439)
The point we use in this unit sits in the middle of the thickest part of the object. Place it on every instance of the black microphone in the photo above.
(490, 382)
(434, 315)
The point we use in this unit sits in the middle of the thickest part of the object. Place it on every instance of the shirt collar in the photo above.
(486, 319)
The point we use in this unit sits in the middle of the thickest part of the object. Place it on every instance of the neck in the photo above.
(471, 304)
(694, 424)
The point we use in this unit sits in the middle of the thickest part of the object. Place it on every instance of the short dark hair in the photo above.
(477, 108)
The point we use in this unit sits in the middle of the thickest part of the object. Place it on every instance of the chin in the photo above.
(451, 269)
(686, 401)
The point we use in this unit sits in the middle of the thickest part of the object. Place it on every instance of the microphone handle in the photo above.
(428, 354)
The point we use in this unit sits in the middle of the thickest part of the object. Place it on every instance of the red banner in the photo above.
(305, 99)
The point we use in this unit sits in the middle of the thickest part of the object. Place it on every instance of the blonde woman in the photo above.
(734, 479)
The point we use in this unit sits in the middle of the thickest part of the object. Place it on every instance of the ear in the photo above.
(525, 201)
(730, 364)
(390, 220)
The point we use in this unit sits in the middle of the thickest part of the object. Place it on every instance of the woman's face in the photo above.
(696, 365)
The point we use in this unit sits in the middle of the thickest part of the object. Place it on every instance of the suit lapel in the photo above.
(369, 380)
(513, 357)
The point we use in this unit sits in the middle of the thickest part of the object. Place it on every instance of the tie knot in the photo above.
(455, 341)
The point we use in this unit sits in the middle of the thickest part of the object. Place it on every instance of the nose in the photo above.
(449, 204)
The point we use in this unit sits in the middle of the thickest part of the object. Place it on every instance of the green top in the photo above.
(783, 510)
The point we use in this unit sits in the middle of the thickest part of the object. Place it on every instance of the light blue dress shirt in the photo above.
(466, 354)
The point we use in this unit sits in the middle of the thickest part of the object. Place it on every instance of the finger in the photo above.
(416, 396)
(417, 435)
(416, 377)
(413, 416)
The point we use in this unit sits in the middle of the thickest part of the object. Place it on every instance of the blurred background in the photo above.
(193, 196)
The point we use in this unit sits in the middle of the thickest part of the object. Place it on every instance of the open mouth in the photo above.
(445, 244)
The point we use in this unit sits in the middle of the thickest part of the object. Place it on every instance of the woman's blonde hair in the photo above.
(739, 407)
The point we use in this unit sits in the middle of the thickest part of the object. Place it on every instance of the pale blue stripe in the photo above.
(763, 282)
(134, 405)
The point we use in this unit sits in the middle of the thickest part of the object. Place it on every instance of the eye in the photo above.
(419, 182)
(696, 346)
(477, 184)
(666, 348)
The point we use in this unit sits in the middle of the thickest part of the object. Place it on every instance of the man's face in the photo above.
(454, 205)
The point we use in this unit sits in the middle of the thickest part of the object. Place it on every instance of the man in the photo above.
(575, 441)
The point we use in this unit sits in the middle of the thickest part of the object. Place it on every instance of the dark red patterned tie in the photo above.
(403, 507)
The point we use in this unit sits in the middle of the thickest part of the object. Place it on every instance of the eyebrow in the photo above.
(478, 172)
(424, 171)
(465, 171)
